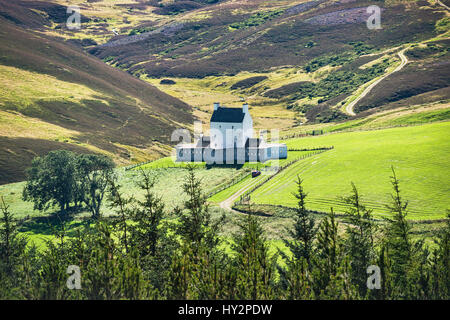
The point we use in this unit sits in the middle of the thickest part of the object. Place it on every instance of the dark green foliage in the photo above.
(148, 216)
(333, 61)
(342, 82)
(398, 239)
(361, 48)
(409, 265)
(257, 19)
(167, 81)
(196, 227)
(359, 244)
(150, 235)
(328, 251)
(440, 269)
(254, 266)
(51, 180)
(338, 60)
(295, 279)
(303, 232)
(198, 271)
(140, 30)
(63, 177)
(336, 85)
(95, 171)
(121, 205)
(109, 273)
(12, 250)
(140, 254)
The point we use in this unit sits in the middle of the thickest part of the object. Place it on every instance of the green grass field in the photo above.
(249, 182)
(168, 186)
(420, 156)
(225, 194)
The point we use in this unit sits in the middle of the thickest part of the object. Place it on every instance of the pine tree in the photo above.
(148, 229)
(360, 239)
(327, 260)
(53, 274)
(111, 274)
(255, 267)
(398, 240)
(12, 251)
(295, 278)
(196, 226)
(384, 262)
(121, 204)
(150, 234)
(304, 232)
(440, 266)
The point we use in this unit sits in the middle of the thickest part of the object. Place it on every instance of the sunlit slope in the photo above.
(55, 96)
(420, 156)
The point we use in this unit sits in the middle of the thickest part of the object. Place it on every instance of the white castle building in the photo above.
(231, 141)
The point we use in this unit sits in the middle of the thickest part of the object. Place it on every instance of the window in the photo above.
(180, 153)
(269, 152)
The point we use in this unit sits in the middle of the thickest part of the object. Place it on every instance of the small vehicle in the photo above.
(255, 173)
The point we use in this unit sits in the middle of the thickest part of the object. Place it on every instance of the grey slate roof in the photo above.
(235, 115)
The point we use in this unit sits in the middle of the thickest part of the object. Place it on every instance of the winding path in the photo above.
(351, 105)
(442, 4)
(228, 203)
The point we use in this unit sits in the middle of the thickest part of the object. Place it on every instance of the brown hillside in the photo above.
(119, 114)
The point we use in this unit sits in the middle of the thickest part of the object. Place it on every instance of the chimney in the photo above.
(216, 105)
(245, 108)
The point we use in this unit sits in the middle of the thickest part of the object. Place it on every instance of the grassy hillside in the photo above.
(297, 63)
(293, 61)
(419, 155)
(53, 95)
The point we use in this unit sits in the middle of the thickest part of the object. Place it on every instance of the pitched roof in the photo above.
(235, 115)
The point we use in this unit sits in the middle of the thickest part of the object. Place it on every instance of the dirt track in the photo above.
(228, 203)
(349, 108)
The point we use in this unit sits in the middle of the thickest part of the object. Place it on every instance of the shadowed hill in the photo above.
(328, 39)
(258, 35)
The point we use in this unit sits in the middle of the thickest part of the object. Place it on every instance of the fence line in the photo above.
(138, 164)
(311, 149)
(299, 135)
(227, 185)
(246, 195)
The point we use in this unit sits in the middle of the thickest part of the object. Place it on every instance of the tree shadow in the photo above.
(54, 222)
(225, 166)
